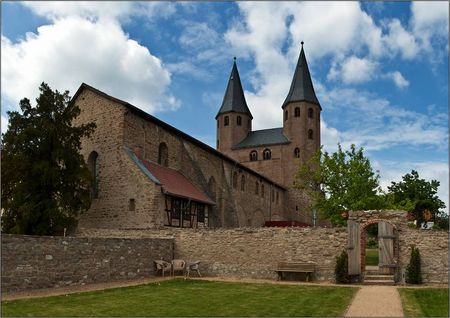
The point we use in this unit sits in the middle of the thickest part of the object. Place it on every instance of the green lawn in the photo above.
(372, 256)
(424, 302)
(191, 298)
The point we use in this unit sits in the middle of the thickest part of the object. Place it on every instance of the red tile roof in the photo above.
(174, 183)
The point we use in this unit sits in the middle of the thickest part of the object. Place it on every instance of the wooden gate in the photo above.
(386, 247)
(354, 248)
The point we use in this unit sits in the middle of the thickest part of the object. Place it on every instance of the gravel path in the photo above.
(376, 301)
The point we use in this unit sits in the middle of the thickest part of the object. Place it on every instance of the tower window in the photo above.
(253, 155)
(131, 205)
(226, 121)
(297, 112)
(239, 120)
(310, 134)
(297, 152)
(267, 155)
(243, 183)
(256, 187)
(310, 113)
(285, 115)
(163, 155)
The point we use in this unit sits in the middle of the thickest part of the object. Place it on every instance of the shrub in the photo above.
(372, 243)
(341, 268)
(413, 273)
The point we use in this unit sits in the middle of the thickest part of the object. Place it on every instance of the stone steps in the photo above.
(379, 277)
(379, 282)
(373, 277)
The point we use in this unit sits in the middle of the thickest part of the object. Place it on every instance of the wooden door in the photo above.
(354, 248)
(386, 247)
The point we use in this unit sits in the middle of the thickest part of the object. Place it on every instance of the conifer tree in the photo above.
(44, 178)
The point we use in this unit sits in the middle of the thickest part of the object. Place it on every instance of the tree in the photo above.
(45, 181)
(416, 195)
(413, 271)
(340, 181)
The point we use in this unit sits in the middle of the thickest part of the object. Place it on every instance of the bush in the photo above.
(341, 269)
(372, 243)
(413, 273)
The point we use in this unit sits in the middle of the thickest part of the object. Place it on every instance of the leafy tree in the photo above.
(340, 181)
(45, 181)
(416, 195)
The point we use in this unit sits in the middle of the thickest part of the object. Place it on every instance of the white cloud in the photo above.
(401, 41)
(121, 10)
(75, 50)
(355, 70)
(4, 124)
(398, 79)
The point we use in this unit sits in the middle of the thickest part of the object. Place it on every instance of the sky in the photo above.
(380, 69)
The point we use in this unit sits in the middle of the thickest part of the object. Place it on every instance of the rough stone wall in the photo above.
(119, 179)
(33, 262)
(234, 207)
(249, 252)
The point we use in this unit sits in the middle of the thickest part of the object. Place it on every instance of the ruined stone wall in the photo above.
(33, 262)
(249, 252)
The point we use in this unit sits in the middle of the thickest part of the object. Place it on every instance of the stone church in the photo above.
(148, 174)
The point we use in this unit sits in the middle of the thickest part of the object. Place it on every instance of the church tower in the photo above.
(301, 114)
(234, 120)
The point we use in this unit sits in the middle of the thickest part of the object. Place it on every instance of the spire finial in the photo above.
(302, 43)
(234, 58)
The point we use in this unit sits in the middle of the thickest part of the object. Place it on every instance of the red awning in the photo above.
(174, 183)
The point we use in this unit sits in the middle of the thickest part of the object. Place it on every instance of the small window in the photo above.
(310, 134)
(310, 113)
(253, 155)
(285, 115)
(235, 177)
(267, 155)
(93, 168)
(243, 183)
(163, 155)
(297, 153)
(131, 205)
(226, 121)
(297, 112)
(262, 190)
(239, 120)
(256, 187)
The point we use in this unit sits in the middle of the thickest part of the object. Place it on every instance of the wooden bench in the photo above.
(295, 267)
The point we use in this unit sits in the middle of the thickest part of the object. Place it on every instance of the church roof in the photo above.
(301, 87)
(172, 182)
(265, 137)
(234, 99)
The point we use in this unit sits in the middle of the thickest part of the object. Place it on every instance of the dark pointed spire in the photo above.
(234, 99)
(301, 87)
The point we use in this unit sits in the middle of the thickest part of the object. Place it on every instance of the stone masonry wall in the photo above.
(249, 252)
(33, 262)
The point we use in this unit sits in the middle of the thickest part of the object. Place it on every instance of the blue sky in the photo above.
(380, 69)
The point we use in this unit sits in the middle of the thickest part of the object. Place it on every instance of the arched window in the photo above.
(253, 155)
(93, 168)
(243, 183)
(285, 115)
(163, 155)
(267, 154)
(297, 152)
(278, 197)
(235, 180)
(310, 113)
(226, 121)
(297, 112)
(262, 190)
(310, 134)
(239, 120)
(212, 187)
(256, 187)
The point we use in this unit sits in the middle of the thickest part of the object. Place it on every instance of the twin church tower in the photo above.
(278, 152)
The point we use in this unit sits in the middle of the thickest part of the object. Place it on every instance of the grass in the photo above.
(372, 256)
(424, 302)
(191, 298)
